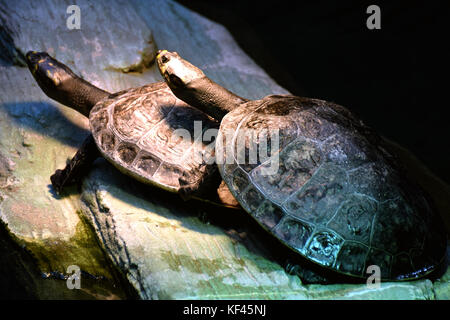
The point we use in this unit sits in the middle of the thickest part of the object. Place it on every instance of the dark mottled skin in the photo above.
(209, 98)
(60, 83)
(69, 89)
(78, 166)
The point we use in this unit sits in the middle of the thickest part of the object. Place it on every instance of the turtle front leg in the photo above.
(306, 275)
(211, 189)
(202, 188)
(78, 165)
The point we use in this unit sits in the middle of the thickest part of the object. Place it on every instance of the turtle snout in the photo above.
(33, 57)
(30, 57)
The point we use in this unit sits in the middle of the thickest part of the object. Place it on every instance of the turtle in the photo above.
(320, 181)
(135, 130)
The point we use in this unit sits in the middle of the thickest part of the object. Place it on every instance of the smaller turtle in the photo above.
(134, 129)
(317, 179)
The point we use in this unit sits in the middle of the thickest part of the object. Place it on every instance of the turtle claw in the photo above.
(185, 193)
(291, 268)
(57, 181)
(306, 275)
(203, 216)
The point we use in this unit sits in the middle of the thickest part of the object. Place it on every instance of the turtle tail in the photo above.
(60, 83)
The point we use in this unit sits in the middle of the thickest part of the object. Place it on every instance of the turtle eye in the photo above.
(164, 59)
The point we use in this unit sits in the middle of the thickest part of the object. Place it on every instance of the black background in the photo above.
(393, 78)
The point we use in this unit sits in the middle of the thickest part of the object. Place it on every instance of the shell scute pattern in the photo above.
(347, 150)
(324, 247)
(334, 198)
(351, 258)
(135, 130)
(321, 196)
(253, 139)
(147, 163)
(240, 180)
(314, 127)
(354, 218)
(294, 232)
(396, 220)
(375, 180)
(382, 259)
(100, 120)
(168, 174)
(269, 214)
(296, 165)
(253, 198)
(107, 139)
(126, 153)
(136, 114)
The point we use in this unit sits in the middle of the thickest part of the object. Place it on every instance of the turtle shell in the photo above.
(153, 136)
(319, 180)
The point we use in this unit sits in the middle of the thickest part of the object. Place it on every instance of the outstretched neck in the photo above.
(209, 97)
(79, 94)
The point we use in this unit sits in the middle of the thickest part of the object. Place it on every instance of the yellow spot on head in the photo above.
(50, 64)
(54, 77)
(162, 51)
(40, 61)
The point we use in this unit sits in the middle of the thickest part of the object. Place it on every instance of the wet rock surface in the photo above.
(130, 240)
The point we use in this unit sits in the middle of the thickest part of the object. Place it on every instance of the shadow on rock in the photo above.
(9, 54)
(68, 191)
(45, 119)
(239, 226)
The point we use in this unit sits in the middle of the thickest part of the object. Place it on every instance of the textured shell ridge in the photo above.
(337, 200)
(233, 143)
(122, 122)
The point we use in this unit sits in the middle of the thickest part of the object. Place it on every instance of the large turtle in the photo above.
(135, 130)
(336, 196)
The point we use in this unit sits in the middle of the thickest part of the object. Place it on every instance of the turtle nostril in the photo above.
(29, 55)
(33, 56)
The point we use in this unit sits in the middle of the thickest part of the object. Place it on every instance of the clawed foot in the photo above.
(203, 216)
(185, 192)
(306, 275)
(292, 268)
(57, 180)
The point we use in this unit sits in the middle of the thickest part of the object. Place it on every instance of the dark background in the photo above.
(393, 78)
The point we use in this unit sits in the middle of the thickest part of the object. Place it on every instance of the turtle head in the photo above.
(177, 72)
(48, 72)
(191, 85)
(60, 83)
